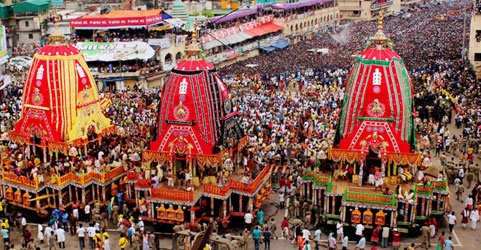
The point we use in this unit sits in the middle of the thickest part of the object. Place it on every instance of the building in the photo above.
(350, 10)
(474, 53)
(160, 46)
(4, 80)
(29, 19)
(246, 33)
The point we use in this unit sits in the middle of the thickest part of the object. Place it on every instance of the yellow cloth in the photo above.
(123, 242)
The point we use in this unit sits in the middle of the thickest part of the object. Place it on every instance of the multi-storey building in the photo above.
(367, 9)
(474, 53)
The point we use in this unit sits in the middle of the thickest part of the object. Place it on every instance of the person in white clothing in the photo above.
(40, 234)
(87, 213)
(81, 236)
(60, 233)
(106, 244)
(141, 225)
(359, 230)
(340, 230)
(345, 242)
(48, 235)
(474, 217)
(248, 219)
(306, 234)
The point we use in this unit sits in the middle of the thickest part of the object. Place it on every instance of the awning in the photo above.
(216, 43)
(268, 48)
(281, 44)
(212, 44)
(264, 29)
(237, 38)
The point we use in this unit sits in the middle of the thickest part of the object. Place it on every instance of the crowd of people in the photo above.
(290, 110)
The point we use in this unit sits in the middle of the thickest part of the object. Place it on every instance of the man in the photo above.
(248, 219)
(27, 236)
(48, 235)
(425, 230)
(81, 236)
(461, 174)
(141, 225)
(31, 245)
(448, 245)
(384, 236)
(345, 242)
(60, 233)
(451, 221)
(5, 236)
(106, 241)
(474, 217)
(24, 224)
(362, 242)
(123, 242)
(256, 235)
(73, 225)
(91, 235)
(273, 228)
(87, 213)
(340, 230)
(306, 234)
(317, 238)
(136, 241)
(396, 239)
(412, 246)
(75, 213)
(331, 241)
(359, 230)
(267, 238)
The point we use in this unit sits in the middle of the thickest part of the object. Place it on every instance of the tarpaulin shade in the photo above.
(264, 29)
(298, 5)
(281, 44)
(31, 6)
(268, 48)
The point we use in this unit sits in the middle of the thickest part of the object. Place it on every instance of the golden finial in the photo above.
(380, 21)
(380, 38)
(193, 49)
(194, 34)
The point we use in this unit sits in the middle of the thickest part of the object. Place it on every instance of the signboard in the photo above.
(93, 23)
(163, 43)
(3, 42)
(117, 51)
